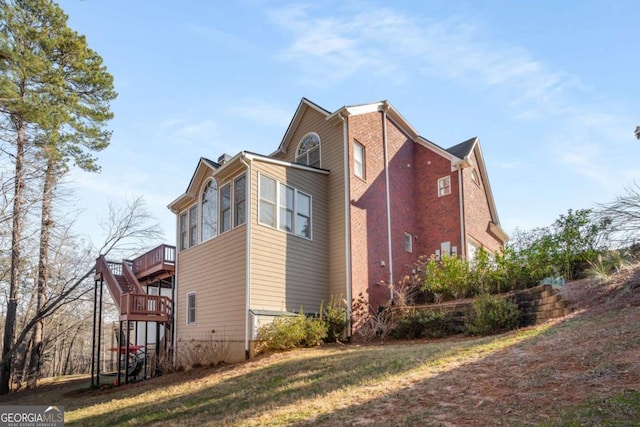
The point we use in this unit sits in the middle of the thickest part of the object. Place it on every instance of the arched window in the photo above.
(209, 220)
(309, 150)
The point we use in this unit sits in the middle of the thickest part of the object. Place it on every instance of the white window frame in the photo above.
(281, 190)
(273, 203)
(183, 226)
(408, 242)
(359, 159)
(235, 203)
(193, 228)
(444, 186)
(222, 210)
(297, 214)
(305, 161)
(191, 309)
(205, 187)
(277, 208)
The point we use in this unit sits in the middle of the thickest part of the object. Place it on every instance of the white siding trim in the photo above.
(248, 201)
(347, 219)
(462, 232)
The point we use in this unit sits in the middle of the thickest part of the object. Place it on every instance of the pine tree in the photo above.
(56, 93)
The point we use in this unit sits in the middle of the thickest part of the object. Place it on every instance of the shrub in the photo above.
(369, 323)
(413, 323)
(446, 279)
(315, 331)
(287, 332)
(334, 316)
(492, 314)
(606, 264)
(210, 350)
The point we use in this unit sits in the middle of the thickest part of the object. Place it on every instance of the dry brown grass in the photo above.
(542, 375)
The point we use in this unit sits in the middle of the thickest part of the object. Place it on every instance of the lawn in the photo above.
(583, 369)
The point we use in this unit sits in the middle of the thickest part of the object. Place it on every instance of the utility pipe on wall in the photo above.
(386, 174)
(247, 257)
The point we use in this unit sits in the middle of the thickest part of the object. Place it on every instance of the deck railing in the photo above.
(163, 254)
(144, 304)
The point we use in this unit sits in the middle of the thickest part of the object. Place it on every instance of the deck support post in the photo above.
(126, 352)
(93, 337)
(120, 339)
(99, 333)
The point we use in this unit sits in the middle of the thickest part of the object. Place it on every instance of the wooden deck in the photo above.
(124, 282)
(159, 263)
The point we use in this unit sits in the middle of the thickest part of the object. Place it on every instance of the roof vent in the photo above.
(224, 159)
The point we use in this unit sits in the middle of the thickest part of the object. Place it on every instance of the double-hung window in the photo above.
(268, 201)
(359, 169)
(444, 186)
(225, 208)
(303, 215)
(183, 231)
(191, 308)
(193, 225)
(284, 207)
(239, 200)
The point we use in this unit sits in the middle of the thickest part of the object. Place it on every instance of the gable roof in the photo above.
(473, 146)
(203, 166)
(295, 121)
(463, 149)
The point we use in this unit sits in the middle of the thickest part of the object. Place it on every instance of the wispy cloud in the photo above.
(582, 132)
(387, 42)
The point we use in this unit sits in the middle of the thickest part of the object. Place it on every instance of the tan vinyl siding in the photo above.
(215, 270)
(289, 272)
(332, 159)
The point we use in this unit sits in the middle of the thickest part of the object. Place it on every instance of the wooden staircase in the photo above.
(132, 301)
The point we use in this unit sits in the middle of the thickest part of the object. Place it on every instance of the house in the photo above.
(344, 206)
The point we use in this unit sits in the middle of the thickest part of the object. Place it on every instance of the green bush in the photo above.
(288, 332)
(492, 314)
(315, 332)
(334, 316)
(446, 279)
(414, 323)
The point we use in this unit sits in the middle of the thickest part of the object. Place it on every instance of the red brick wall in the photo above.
(476, 209)
(415, 206)
(438, 218)
(369, 244)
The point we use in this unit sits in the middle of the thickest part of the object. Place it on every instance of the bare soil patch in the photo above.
(533, 376)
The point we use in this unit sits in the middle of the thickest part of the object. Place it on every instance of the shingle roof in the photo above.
(211, 163)
(463, 149)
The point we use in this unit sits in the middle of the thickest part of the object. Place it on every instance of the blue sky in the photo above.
(550, 88)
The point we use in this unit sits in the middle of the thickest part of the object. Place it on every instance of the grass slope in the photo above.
(580, 370)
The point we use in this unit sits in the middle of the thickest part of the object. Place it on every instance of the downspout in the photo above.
(347, 220)
(247, 351)
(386, 174)
(174, 292)
(462, 233)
